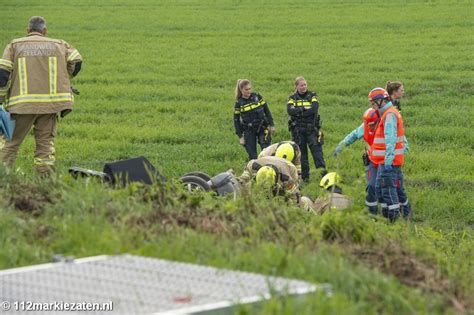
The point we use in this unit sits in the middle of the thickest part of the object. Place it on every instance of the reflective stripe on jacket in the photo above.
(369, 134)
(253, 110)
(363, 131)
(303, 110)
(389, 141)
(40, 69)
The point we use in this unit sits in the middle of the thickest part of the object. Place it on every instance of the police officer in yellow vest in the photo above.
(35, 87)
(253, 120)
(304, 124)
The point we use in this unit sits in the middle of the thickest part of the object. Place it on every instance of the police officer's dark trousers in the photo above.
(306, 139)
(251, 136)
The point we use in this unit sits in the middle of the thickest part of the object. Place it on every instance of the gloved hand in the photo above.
(242, 141)
(272, 130)
(337, 151)
(387, 168)
(75, 91)
(65, 112)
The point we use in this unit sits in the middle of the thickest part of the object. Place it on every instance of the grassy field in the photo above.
(158, 80)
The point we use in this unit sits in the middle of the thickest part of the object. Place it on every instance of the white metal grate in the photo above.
(140, 285)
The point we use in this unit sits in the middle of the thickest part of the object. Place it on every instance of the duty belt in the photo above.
(256, 124)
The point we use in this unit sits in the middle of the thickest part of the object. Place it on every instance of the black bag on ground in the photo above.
(132, 170)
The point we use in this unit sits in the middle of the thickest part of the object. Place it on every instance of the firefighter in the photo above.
(253, 120)
(388, 152)
(366, 131)
(305, 126)
(34, 84)
(288, 150)
(334, 199)
(276, 172)
(396, 91)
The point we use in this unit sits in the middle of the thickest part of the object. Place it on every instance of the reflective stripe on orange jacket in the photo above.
(378, 149)
(369, 134)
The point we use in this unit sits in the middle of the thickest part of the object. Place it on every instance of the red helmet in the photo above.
(371, 115)
(378, 94)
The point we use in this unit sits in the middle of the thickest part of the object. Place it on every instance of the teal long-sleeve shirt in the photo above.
(358, 133)
(353, 136)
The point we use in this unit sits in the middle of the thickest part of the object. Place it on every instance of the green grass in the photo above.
(158, 81)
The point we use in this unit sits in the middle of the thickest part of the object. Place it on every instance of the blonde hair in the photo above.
(392, 87)
(241, 83)
(298, 80)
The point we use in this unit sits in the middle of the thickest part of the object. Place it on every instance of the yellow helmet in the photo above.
(329, 180)
(266, 175)
(285, 151)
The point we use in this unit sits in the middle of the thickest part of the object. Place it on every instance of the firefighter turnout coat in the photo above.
(40, 69)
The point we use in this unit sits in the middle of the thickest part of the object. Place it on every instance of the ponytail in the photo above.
(392, 87)
(238, 88)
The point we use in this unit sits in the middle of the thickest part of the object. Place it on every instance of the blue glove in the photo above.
(337, 151)
(387, 168)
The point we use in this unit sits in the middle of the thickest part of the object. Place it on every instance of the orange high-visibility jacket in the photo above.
(378, 149)
(368, 134)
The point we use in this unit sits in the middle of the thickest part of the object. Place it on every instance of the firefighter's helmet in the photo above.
(330, 180)
(266, 176)
(286, 151)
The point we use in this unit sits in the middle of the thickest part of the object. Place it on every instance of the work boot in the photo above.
(44, 171)
(323, 172)
(405, 210)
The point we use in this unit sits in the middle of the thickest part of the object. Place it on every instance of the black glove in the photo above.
(365, 159)
(75, 91)
(65, 112)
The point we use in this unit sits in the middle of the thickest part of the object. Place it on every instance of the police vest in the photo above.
(296, 100)
(378, 148)
(252, 109)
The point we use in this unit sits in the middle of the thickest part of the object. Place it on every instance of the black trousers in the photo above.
(251, 136)
(305, 139)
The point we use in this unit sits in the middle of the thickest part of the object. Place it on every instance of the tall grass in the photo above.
(158, 81)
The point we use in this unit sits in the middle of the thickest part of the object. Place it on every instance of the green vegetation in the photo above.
(158, 81)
